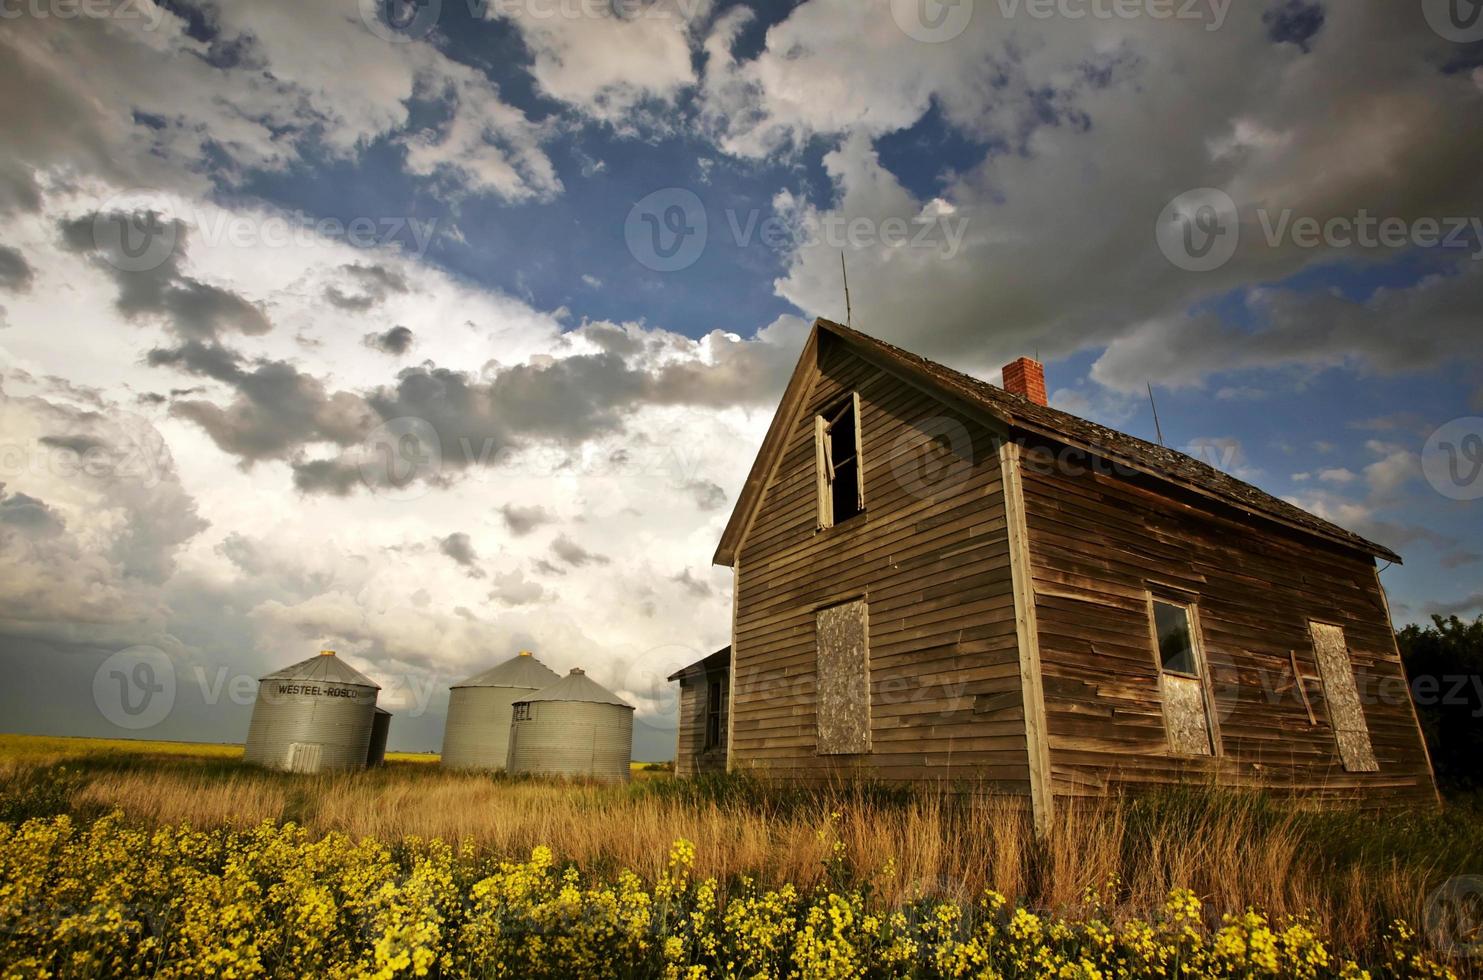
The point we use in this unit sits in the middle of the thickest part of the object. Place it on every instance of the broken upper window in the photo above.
(841, 479)
(1176, 647)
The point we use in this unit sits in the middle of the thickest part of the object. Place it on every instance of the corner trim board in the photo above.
(1027, 632)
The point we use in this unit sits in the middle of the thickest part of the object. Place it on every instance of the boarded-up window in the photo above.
(1341, 695)
(1181, 682)
(837, 453)
(843, 680)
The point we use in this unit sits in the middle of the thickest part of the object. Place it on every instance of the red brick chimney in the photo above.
(1026, 377)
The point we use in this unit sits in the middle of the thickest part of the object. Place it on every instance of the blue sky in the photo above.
(1008, 177)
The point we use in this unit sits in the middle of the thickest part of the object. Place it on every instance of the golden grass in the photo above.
(1233, 853)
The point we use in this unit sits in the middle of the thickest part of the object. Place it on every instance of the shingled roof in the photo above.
(1019, 413)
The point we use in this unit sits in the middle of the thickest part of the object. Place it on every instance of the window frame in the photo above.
(1191, 606)
(824, 464)
(523, 711)
(715, 714)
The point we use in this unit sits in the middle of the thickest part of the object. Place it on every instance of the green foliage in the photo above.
(1444, 662)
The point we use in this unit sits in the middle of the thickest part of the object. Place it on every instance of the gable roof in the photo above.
(714, 662)
(1017, 413)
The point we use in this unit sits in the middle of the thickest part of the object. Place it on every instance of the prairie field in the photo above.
(1344, 877)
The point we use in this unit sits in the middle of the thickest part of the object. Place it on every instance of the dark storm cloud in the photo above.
(460, 548)
(523, 520)
(16, 273)
(277, 409)
(189, 307)
(29, 515)
(707, 495)
(396, 341)
(574, 554)
(692, 585)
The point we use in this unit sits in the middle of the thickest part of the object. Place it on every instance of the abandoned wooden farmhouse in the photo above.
(940, 579)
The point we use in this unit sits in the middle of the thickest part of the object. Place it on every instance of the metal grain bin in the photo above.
(313, 716)
(380, 729)
(575, 727)
(477, 733)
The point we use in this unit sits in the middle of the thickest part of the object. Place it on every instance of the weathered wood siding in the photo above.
(691, 755)
(1097, 542)
(930, 558)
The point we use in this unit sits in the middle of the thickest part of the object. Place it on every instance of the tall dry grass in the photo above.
(1350, 873)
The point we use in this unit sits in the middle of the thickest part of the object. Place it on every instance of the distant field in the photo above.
(44, 748)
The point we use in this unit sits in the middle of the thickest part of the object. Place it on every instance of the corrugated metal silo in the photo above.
(477, 734)
(312, 716)
(575, 727)
(380, 730)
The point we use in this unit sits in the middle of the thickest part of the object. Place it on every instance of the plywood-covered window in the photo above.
(843, 709)
(837, 456)
(713, 720)
(1341, 695)
(1182, 684)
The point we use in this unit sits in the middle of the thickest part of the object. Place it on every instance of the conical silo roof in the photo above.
(577, 686)
(324, 667)
(522, 671)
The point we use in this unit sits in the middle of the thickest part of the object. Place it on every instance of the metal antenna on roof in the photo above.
(1154, 405)
(845, 273)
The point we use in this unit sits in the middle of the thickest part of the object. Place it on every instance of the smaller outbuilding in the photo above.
(705, 693)
(380, 731)
(575, 727)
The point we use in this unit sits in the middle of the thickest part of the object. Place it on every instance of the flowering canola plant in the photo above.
(108, 900)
